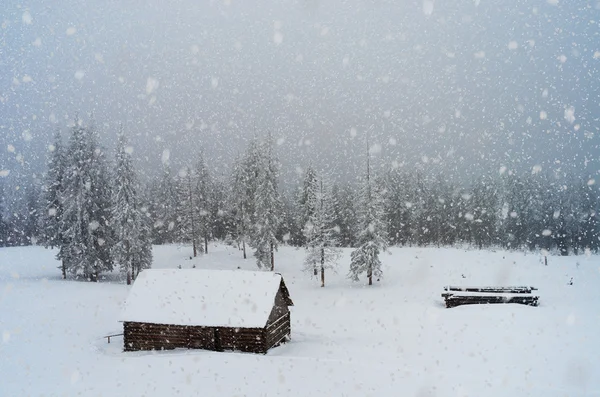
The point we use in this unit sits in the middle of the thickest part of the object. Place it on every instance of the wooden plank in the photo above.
(281, 319)
(276, 337)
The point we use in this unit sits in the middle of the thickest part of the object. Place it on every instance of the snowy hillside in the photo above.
(395, 338)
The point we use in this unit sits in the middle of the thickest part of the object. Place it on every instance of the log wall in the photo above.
(145, 336)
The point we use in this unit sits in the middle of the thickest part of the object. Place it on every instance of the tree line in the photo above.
(100, 218)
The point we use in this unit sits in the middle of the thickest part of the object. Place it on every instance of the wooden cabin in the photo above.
(206, 309)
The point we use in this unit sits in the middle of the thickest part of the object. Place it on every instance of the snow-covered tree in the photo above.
(52, 191)
(163, 200)
(187, 208)
(202, 192)
(267, 209)
(307, 200)
(132, 240)
(85, 223)
(245, 182)
(220, 217)
(371, 237)
(320, 230)
(3, 223)
(239, 206)
(344, 210)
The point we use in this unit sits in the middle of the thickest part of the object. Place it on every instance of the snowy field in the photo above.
(393, 339)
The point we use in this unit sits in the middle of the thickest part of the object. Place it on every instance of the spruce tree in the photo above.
(239, 206)
(85, 222)
(246, 175)
(320, 231)
(307, 201)
(202, 193)
(130, 223)
(3, 223)
(372, 234)
(267, 209)
(344, 210)
(187, 207)
(53, 187)
(163, 207)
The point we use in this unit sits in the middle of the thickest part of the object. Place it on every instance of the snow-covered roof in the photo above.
(202, 297)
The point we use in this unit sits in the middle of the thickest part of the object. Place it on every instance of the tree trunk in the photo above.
(129, 276)
(272, 258)
(244, 247)
(322, 267)
(370, 275)
(206, 244)
(194, 247)
(64, 270)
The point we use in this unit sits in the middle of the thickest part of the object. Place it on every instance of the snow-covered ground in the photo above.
(393, 339)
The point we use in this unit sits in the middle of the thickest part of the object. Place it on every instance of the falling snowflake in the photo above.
(278, 38)
(166, 154)
(27, 19)
(570, 114)
(151, 85)
(428, 7)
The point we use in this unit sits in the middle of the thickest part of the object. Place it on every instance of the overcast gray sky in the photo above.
(470, 86)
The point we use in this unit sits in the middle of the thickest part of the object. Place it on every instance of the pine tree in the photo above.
(372, 234)
(163, 207)
(220, 216)
(290, 230)
(53, 187)
(307, 201)
(202, 192)
(102, 236)
(187, 207)
(85, 222)
(320, 230)
(32, 227)
(246, 175)
(239, 206)
(344, 210)
(3, 223)
(267, 209)
(129, 221)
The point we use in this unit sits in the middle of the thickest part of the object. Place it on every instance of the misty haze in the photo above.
(379, 197)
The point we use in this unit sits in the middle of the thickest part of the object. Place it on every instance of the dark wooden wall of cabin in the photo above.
(145, 336)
